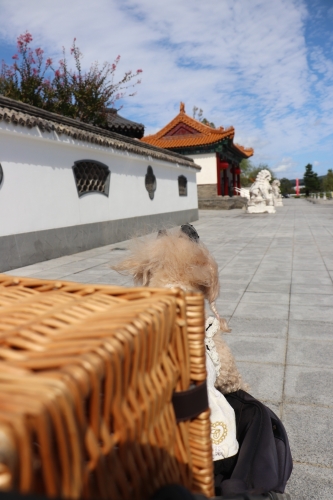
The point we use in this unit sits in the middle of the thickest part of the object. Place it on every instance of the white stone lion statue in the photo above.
(277, 197)
(261, 194)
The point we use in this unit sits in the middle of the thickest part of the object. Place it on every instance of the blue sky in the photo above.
(265, 67)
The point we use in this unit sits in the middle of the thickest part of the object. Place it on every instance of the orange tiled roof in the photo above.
(245, 151)
(193, 133)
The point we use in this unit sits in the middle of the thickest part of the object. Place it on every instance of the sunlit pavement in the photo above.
(276, 274)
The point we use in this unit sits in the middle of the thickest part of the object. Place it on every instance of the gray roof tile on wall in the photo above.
(123, 126)
(19, 113)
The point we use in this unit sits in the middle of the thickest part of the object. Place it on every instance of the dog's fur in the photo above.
(176, 259)
(229, 378)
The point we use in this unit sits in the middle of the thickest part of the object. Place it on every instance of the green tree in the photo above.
(327, 182)
(208, 123)
(286, 186)
(197, 115)
(246, 168)
(250, 172)
(311, 181)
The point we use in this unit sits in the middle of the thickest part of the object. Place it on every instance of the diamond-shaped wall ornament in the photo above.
(150, 182)
(91, 177)
(182, 185)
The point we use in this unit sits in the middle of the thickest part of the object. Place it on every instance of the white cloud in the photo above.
(281, 168)
(245, 63)
(286, 165)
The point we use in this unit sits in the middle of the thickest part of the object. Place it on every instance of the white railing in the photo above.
(326, 195)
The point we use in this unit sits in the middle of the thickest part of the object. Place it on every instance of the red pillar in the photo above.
(225, 183)
(222, 165)
(233, 180)
(218, 175)
(238, 182)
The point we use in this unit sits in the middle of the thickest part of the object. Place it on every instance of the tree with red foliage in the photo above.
(75, 93)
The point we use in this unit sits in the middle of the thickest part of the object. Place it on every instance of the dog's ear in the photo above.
(190, 231)
(161, 232)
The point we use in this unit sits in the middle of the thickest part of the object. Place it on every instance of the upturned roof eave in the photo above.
(203, 129)
(171, 143)
(242, 151)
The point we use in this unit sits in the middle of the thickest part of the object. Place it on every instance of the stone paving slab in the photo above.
(309, 430)
(265, 380)
(302, 382)
(310, 330)
(256, 327)
(257, 349)
(276, 273)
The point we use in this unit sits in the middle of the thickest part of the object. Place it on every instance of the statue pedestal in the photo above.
(278, 202)
(260, 208)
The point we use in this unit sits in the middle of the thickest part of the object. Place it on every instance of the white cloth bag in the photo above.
(222, 415)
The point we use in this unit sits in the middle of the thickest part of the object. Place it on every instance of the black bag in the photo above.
(177, 492)
(264, 461)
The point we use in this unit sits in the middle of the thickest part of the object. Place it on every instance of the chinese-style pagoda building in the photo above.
(212, 149)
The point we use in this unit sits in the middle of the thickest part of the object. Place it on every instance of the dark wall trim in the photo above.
(19, 250)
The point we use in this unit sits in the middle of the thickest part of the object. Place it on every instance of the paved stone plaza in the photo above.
(276, 275)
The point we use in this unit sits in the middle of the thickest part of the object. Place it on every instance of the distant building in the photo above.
(123, 126)
(212, 149)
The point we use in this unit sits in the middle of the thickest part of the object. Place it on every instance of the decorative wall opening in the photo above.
(150, 182)
(182, 185)
(91, 177)
(1, 174)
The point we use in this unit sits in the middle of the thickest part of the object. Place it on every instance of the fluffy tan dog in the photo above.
(179, 259)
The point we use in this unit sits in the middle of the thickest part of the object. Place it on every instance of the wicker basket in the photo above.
(87, 377)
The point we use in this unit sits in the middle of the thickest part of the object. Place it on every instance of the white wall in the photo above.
(39, 192)
(207, 162)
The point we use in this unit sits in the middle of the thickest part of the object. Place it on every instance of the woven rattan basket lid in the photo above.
(87, 377)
